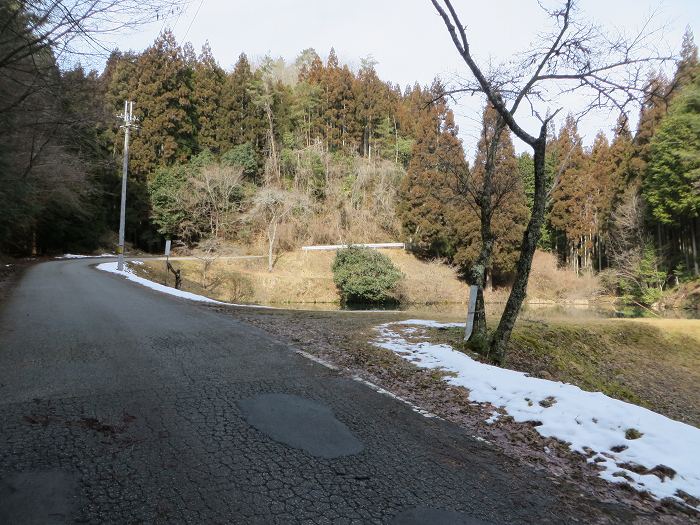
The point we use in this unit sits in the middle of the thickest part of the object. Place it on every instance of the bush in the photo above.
(364, 275)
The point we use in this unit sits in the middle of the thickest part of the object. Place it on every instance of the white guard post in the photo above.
(167, 259)
(471, 310)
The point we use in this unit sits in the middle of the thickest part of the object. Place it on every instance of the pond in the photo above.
(534, 311)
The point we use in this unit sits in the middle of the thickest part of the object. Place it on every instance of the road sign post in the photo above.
(167, 259)
(471, 310)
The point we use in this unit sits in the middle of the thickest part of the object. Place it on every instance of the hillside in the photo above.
(306, 278)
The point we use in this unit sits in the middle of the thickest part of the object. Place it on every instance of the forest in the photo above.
(276, 155)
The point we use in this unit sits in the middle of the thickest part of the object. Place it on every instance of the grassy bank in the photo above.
(654, 363)
(306, 277)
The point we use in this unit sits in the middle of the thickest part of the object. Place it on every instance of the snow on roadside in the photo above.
(131, 276)
(76, 256)
(629, 443)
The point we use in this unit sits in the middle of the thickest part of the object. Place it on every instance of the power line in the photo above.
(179, 14)
(192, 21)
(167, 16)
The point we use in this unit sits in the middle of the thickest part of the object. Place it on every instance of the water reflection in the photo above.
(534, 311)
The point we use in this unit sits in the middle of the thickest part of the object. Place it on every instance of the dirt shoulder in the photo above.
(11, 271)
(344, 339)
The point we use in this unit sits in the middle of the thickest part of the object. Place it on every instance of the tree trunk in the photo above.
(396, 140)
(478, 270)
(685, 250)
(693, 236)
(273, 149)
(369, 145)
(477, 277)
(271, 234)
(501, 336)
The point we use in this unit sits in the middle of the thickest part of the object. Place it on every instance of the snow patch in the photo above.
(428, 323)
(629, 443)
(76, 256)
(129, 274)
(492, 418)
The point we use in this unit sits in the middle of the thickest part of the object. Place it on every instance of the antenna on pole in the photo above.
(129, 122)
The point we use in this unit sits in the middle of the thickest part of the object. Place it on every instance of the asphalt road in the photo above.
(119, 404)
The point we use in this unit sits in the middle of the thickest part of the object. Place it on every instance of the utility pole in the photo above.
(129, 120)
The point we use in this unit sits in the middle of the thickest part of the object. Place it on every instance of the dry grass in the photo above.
(306, 277)
(550, 284)
(687, 295)
(670, 327)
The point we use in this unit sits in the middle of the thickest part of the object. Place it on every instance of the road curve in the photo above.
(122, 405)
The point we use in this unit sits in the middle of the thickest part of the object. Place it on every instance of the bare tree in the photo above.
(271, 206)
(72, 27)
(631, 248)
(576, 56)
(263, 95)
(38, 34)
(212, 200)
(208, 252)
(486, 193)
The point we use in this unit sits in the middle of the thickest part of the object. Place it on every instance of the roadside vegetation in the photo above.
(365, 276)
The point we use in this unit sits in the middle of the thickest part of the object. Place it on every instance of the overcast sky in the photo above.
(406, 37)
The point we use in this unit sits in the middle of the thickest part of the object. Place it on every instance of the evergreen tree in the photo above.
(207, 95)
(166, 116)
(160, 81)
(371, 105)
(653, 109)
(427, 193)
(687, 68)
(241, 120)
(339, 104)
(672, 186)
(599, 192)
(571, 205)
(621, 152)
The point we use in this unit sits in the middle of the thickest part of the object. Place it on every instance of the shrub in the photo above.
(241, 287)
(364, 275)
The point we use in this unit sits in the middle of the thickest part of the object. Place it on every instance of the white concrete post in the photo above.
(471, 310)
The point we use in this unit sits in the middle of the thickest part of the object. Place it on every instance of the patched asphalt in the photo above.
(122, 405)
